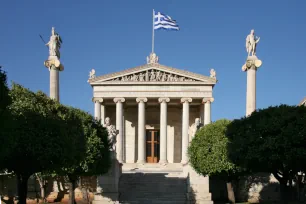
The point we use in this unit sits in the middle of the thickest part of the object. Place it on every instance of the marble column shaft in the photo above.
(54, 83)
(97, 102)
(119, 127)
(251, 91)
(141, 130)
(207, 110)
(102, 114)
(185, 128)
(163, 130)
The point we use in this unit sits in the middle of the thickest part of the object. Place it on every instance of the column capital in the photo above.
(209, 100)
(183, 100)
(161, 100)
(141, 100)
(116, 100)
(97, 99)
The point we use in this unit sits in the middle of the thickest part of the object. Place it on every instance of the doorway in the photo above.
(152, 146)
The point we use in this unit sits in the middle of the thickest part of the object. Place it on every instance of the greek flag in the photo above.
(162, 21)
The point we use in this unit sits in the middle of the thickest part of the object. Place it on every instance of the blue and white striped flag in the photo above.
(162, 21)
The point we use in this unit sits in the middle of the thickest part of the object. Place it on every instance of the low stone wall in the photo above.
(56, 190)
(252, 188)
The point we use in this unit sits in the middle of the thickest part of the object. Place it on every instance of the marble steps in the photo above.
(159, 188)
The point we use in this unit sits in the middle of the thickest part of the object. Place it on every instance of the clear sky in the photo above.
(115, 35)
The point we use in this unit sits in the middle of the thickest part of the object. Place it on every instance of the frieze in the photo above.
(175, 94)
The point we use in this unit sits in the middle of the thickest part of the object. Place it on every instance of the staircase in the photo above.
(153, 185)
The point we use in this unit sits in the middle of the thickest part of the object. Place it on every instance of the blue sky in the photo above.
(115, 35)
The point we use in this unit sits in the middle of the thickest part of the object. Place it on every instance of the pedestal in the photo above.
(197, 187)
(108, 184)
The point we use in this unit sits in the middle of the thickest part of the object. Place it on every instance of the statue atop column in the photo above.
(54, 44)
(251, 43)
(112, 133)
(53, 63)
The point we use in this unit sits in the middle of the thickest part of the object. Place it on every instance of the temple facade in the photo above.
(155, 109)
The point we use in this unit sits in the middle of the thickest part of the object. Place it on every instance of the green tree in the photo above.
(271, 140)
(5, 99)
(96, 160)
(208, 154)
(39, 135)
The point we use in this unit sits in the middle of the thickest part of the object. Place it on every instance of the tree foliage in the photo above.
(270, 140)
(96, 160)
(208, 151)
(5, 99)
(209, 157)
(38, 135)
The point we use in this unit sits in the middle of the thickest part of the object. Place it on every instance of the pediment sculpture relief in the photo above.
(153, 75)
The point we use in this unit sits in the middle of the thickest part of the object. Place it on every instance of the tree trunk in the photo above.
(284, 192)
(230, 192)
(42, 185)
(22, 185)
(72, 186)
(283, 187)
(84, 191)
(42, 192)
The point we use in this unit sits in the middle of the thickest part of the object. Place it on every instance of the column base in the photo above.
(163, 162)
(184, 163)
(106, 198)
(141, 162)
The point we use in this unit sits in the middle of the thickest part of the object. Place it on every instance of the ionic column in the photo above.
(141, 130)
(119, 127)
(54, 83)
(207, 112)
(97, 102)
(251, 66)
(163, 130)
(102, 114)
(185, 128)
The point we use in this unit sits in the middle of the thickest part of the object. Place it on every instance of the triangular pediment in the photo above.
(152, 73)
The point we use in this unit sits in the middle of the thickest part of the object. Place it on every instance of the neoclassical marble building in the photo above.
(154, 108)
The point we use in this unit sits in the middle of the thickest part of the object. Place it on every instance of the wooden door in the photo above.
(152, 146)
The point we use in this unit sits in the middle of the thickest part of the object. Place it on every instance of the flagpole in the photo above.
(153, 33)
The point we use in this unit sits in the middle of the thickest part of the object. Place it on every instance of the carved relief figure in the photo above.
(152, 77)
(164, 77)
(112, 133)
(158, 76)
(141, 77)
(147, 75)
(251, 43)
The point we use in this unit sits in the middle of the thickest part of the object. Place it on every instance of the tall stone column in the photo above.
(53, 63)
(163, 130)
(141, 130)
(251, 66)
(54, 66)
(97, 102)
(54, 83)
(185, 128)
(207, 110)
(119, 127)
